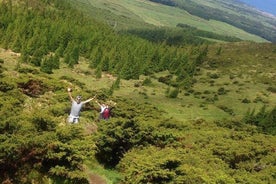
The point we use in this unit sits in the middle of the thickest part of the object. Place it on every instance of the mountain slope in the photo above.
(162, 128)
(232, 12)
(266, 6)
(126, 14)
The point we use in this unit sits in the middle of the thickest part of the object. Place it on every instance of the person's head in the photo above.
(78, 99)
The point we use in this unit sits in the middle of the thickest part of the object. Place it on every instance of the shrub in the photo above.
(245, 100)
(166, 79)
(212, 82)
(187, 94)
(271, 89)
(118, 137)
(4, 86)
(264, 119)
(214, 76)
(221, 91)
(43, 121)
(168, 165)
(226, 109)
(26, 70)
(147, 82)
(235, 82)
(173, 93)
(231, 76)
(137, 84)
(259, 99)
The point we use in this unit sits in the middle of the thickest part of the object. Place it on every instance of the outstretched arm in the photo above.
(70, 94)
(98, 103)
(86, 101)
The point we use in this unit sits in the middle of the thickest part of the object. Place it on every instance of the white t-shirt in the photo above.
(76, 108)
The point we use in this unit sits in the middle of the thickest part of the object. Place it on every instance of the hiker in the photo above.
(105, 111)
(76, 107)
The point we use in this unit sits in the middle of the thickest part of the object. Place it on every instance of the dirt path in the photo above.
(96, 179)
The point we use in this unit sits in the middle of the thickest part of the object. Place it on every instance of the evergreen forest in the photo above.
(192, 106)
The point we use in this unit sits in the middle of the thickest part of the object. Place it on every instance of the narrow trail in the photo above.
(96, 179)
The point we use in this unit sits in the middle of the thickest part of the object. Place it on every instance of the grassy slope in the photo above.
(254, 73)
(160, 15)
(251, 76)
(248, 12)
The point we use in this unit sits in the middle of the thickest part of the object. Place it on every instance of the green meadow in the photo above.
(165, 16)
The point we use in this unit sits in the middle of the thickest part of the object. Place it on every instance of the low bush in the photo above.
(6, 86)
(245, 100)
(213, 75)
(166, 80)
(221, 91)
(173, 93)
(271, 89)
(147, 82)
(264, 119)
(226, 109)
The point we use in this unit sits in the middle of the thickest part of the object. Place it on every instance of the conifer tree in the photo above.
(116, 84)
(105, 63)
(201, 56)
(96, 57)
(75, 54)
(24, 57)
(131, 68)
(59, 51)
(98, 72)
(46, 66)
(16, 45)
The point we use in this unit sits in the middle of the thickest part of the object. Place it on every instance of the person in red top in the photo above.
(105, 111)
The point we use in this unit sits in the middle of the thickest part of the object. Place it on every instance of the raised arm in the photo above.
(98, 103)
(70, 94)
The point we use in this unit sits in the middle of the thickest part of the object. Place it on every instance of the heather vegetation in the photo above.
(187, 111)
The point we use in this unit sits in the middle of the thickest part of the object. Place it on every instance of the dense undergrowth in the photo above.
(138, 141)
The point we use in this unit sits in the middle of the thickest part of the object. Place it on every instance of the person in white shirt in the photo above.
(76, 107)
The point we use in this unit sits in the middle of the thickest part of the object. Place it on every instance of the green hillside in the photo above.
(187, 112)
(196, 130)
(232, 12)
(158, 15)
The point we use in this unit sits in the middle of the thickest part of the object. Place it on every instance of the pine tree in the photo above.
(201, 56)
(98, 72)
(46, 66)
(131, 69)
(105, 63)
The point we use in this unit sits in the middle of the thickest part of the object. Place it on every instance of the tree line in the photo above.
(49, 32)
